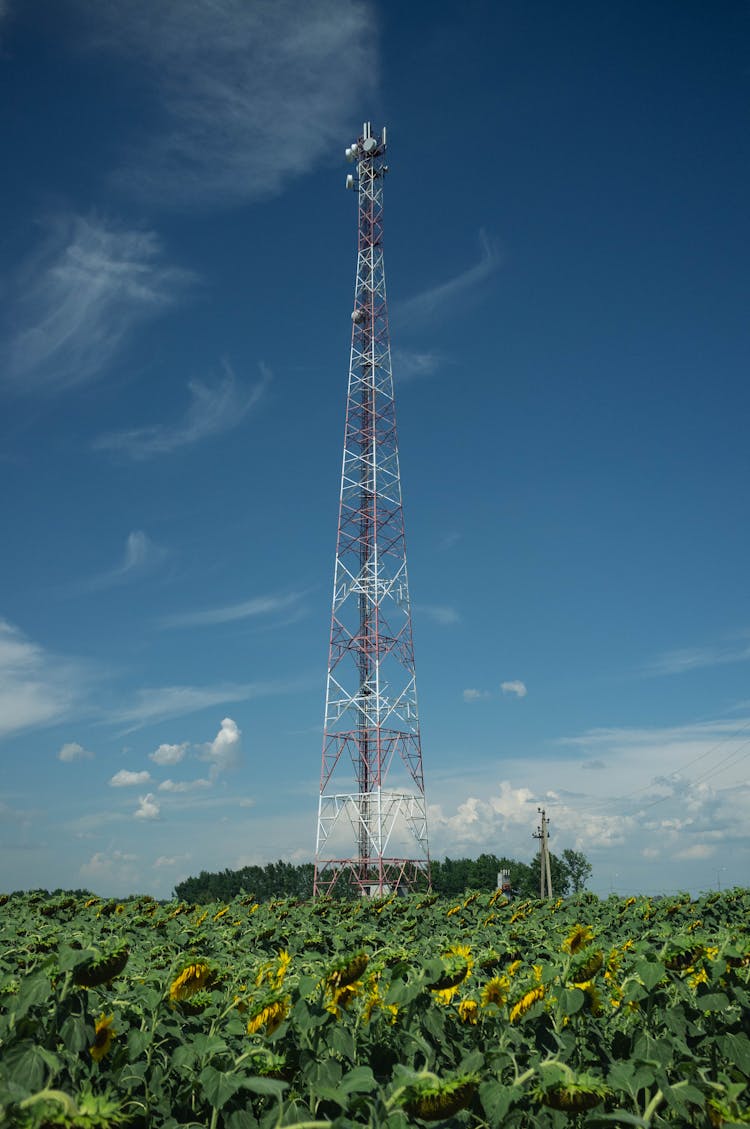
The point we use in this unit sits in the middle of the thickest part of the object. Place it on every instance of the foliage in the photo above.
(470, 1011)
(570, 872)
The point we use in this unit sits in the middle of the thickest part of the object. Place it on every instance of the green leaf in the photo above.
(650, 972)
(736, 1048)
(361, 1080)
(73, 1034)
(267, 1086)
(27, 1065)
(138, 1041)
(571, 1000)
(496, 1100)
(184, 1057)
(712, 1001)
(342, 1041)
(218, 1087)
(35, 989)
(241, 1119)
(206, 1046)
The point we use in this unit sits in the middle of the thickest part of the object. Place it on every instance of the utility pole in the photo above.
(545, 877)
(372, 814)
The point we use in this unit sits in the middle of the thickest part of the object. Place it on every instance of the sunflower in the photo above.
(495, 991)
(574, 1095)
(104, 1033)
(375, 1002)
(98, 970)
(467, 1011)
(346, 971)
(581, 936)
(269, 1014)
(435, 1099)
(526, 1002)
(193, 978)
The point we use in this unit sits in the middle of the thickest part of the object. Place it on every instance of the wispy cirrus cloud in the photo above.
(410, 364)
(81, 297)
(154, 704)
(442, 614)
(36, 688)
(424, 306)
(212, 410)
(140, 557)
(685, 659)
(229, 613)
(250, 94)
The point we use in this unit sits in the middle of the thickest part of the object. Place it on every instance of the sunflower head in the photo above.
(193, 978)
(346, 970)
(104, 1033)
(101, 968)
(578, 938)
(574, 1094)
(495, 991)
(435, 1099)
(268, 1014)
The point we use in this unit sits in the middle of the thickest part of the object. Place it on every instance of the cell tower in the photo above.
(372, 822)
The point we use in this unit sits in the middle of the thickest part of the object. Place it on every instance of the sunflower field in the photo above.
(406, 1011)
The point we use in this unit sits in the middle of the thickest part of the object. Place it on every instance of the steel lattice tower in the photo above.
(372, 829)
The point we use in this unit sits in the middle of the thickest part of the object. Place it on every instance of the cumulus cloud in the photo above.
(83, 295)
(223, 752)
(72, 751)
(108, 870)
(514, 687)
(147, 808)
(169, 754)
(183, 785)
(249, 94)
(126, 779)
(472, 695)
(212, 409)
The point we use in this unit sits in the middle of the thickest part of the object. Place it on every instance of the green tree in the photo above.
(578, 867)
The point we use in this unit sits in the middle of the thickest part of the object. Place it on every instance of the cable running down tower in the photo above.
(372, 819)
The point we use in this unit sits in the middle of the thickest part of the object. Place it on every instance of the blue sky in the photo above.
(566, 253)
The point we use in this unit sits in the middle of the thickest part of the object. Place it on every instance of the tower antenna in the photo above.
(372, 821)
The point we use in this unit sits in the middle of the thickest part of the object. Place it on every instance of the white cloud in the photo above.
(211, 411)
(686, 659)
(169, 861)
(224, 750)
(84, 294)
(141, 555)
(258, 605)
(127, 779)
(183, 785)
(251, 93)
(169, 754)
(72, 751)
(514, 687)
(113, 869)
(471, 695)
(164, 702)
(148, 808)
(408, 364)
(36, 688)
(439, 613)
(427, 305)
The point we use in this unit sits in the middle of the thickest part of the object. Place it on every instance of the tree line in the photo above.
(570, 872)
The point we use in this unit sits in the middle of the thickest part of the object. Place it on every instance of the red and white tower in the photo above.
(372, 821)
